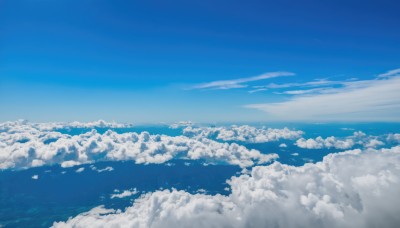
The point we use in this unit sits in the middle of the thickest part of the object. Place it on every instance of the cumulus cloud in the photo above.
(358, 138)
(243, 133)
(79, 170)
(125, 193)
(282, 145)
(332, 193)
(367, 100)
(374, 143)
(181, 124)
(329, 142)
(25, 146)
(239, 83)
(77, 124)
(393, 138)
(35, 177)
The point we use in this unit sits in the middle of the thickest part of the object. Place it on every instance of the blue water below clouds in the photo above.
(59, 193)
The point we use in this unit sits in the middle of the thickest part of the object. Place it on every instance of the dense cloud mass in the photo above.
(331, 193)
(77, 124)
(25, 145)
(243, 133)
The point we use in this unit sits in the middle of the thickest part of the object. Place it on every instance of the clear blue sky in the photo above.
(150, 61)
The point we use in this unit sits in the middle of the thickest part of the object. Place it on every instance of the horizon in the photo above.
(213, 113)
(208, 62)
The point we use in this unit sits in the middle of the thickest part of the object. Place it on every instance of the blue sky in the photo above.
(155, 61)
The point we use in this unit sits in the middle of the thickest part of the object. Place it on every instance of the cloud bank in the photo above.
(244, 133)
(331, 193)
(23, 145)
(358, 138)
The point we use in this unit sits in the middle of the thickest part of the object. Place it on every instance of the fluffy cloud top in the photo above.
(243, 133)
(331, 193)
(358, 138)
(23, 145)
(319, 143)
(76, 124)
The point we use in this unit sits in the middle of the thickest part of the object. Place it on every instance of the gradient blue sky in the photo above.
(149, 61)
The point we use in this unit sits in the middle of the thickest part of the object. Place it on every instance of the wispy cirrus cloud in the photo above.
(257, 90)
(315, 86)
(307, 91)
(315, 83)
(240, 82)
(390, 73)
(364, 100)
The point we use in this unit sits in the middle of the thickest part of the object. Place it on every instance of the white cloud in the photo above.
(243, 133)
(106, 169)
(347, 129)
(257, 90)
(239, 83)
(125, 193)
(283, 145)
(67, 164)
(373, 143)
(181, 124)
(81, 169)
(368, 100)
(390, 73)
(91, 147)
(201, 190)
(351, 189)
(316, 83)
(76, 124)
(329, 142)
(358, 138)
(35, 177)
(308, 91)
(393, 138)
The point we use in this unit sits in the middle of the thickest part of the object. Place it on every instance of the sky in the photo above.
(205, 61)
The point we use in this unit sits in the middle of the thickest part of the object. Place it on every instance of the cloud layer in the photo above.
(358, 138)
(243, 133)
(23, 146)
(331, 193)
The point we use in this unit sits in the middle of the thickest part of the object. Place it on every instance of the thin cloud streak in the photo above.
(366, 100)
(390, 73)
(239, 83)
